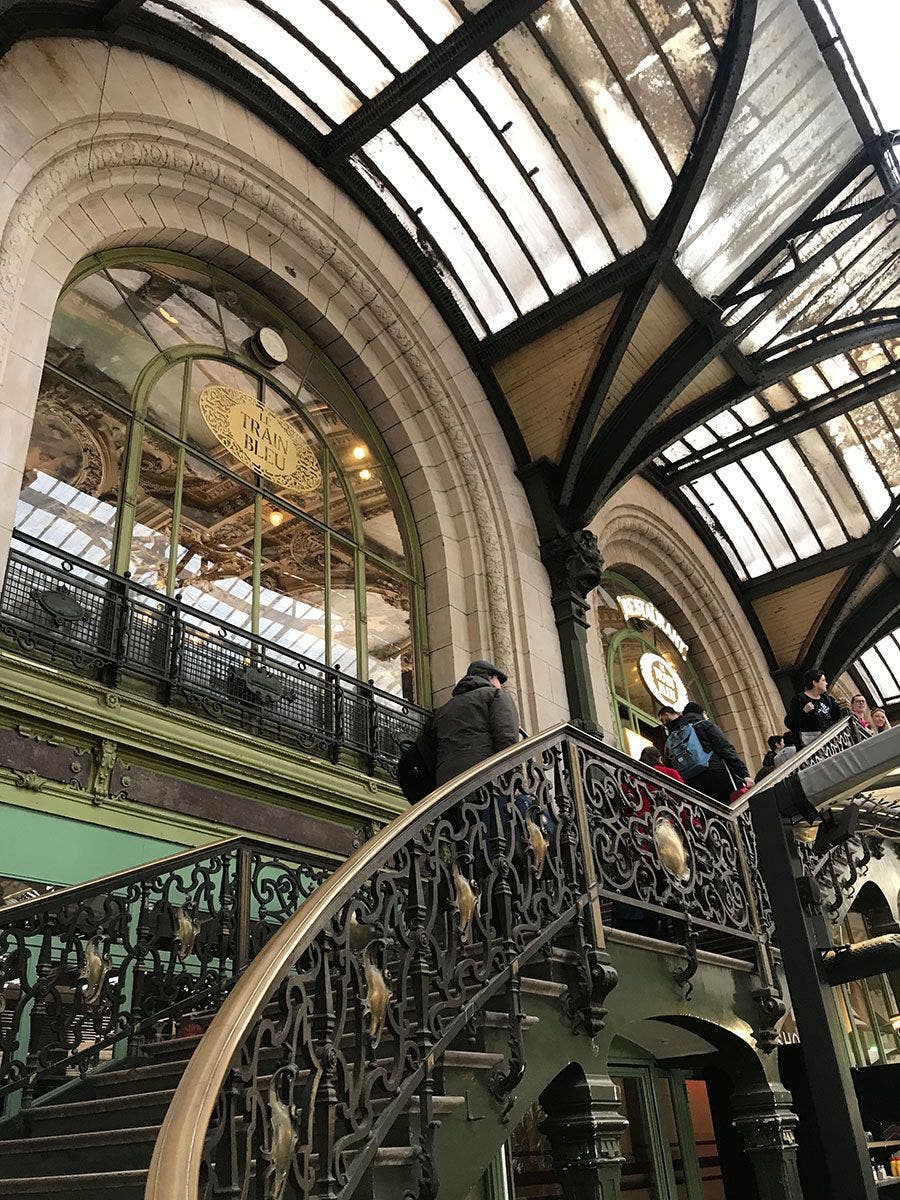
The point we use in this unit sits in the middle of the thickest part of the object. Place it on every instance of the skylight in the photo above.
(871, 29)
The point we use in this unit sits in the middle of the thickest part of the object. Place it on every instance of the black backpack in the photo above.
(415, 775)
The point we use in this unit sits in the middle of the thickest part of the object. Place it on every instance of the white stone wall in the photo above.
(161, 158)
(642, 535)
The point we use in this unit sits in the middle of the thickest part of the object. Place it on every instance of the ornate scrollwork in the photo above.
(283, 1134)
(657, 844)
(102, 963)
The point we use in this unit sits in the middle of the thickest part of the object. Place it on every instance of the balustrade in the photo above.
(61, 609)
(85, 972)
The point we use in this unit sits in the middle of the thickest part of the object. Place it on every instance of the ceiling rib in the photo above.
(466, 42)
(861, 629)
(614, 446)
(885, 538)
(668, 232)
(848, 400)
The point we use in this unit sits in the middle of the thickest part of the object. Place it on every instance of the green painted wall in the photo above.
(44, 848)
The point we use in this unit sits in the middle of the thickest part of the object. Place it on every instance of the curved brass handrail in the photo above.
(177, 1156)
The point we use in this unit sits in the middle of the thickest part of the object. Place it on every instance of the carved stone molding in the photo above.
(106, 163)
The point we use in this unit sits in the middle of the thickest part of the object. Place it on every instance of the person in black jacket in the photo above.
(812, 711)
(776, 743)
(726, 770)
(478, 720)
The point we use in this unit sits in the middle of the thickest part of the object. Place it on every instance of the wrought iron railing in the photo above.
(87, 972)
(61, 609)
(339, 1026)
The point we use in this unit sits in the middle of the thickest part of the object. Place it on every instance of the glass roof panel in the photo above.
(445, 228)
(795, 496)
(300, 65)
(790, 133)
(860, 464)
(881, 664)
(546, 93)
(530, 145)
(731, 528)
(841, 287)
(571, 45)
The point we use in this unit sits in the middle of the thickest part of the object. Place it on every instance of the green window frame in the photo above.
(398, 576)
(635, 712)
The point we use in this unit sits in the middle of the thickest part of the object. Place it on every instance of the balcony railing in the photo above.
(61, 609)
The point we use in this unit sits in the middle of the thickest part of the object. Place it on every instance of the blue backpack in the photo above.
(685, 752)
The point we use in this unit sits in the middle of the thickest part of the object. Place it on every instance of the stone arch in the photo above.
(179, 165)
(644, 536)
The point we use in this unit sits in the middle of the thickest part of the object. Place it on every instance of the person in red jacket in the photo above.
(651, 757)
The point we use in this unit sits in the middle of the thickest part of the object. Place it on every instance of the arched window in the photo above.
(189, 434)
(647, 663)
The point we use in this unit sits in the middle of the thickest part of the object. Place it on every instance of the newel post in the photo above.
(583, 1125)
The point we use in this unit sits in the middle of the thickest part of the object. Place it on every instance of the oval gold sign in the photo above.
(259, 438)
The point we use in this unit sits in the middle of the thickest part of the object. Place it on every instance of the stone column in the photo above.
(767, 1124)
(575, 567)
(583, 1126)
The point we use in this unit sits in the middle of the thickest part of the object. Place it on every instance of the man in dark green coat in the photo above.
(478, 720)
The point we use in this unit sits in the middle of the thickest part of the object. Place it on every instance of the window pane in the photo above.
(215, 553)
(207, 373)
(152, 534)
(389, 633)
(670, 1133)
(96, 337)
(165, 401)
(175, 304)
(70, 485)
(638, 1175)
(292, 587)
(342, 610)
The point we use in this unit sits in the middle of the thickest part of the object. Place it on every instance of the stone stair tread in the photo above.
(477, 1060)
(541, 987)
(394, 1156)
(139, 1074)
(500, 1020)
(72, 1141)
(88, 1184)
(87, 1107)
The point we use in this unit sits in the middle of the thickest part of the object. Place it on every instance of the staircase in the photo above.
(240, 1022)
(97, 1138)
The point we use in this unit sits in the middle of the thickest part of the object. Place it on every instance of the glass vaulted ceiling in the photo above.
(540, 162)
(812, 461)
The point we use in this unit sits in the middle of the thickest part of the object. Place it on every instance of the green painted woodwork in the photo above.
(46, 848)
(721, 1010)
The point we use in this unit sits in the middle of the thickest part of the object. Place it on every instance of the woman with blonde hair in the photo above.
(879, 720)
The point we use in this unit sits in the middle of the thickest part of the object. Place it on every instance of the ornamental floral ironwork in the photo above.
(88, 970)
(437, 921)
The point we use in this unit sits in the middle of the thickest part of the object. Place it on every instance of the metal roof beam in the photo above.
(623, 437)
(664, 243)
(867, 624)
(848, 555)
(754, 439)
(841, 609)
(466, 42)
(116, 12)
(568, 305)
(765, 375)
